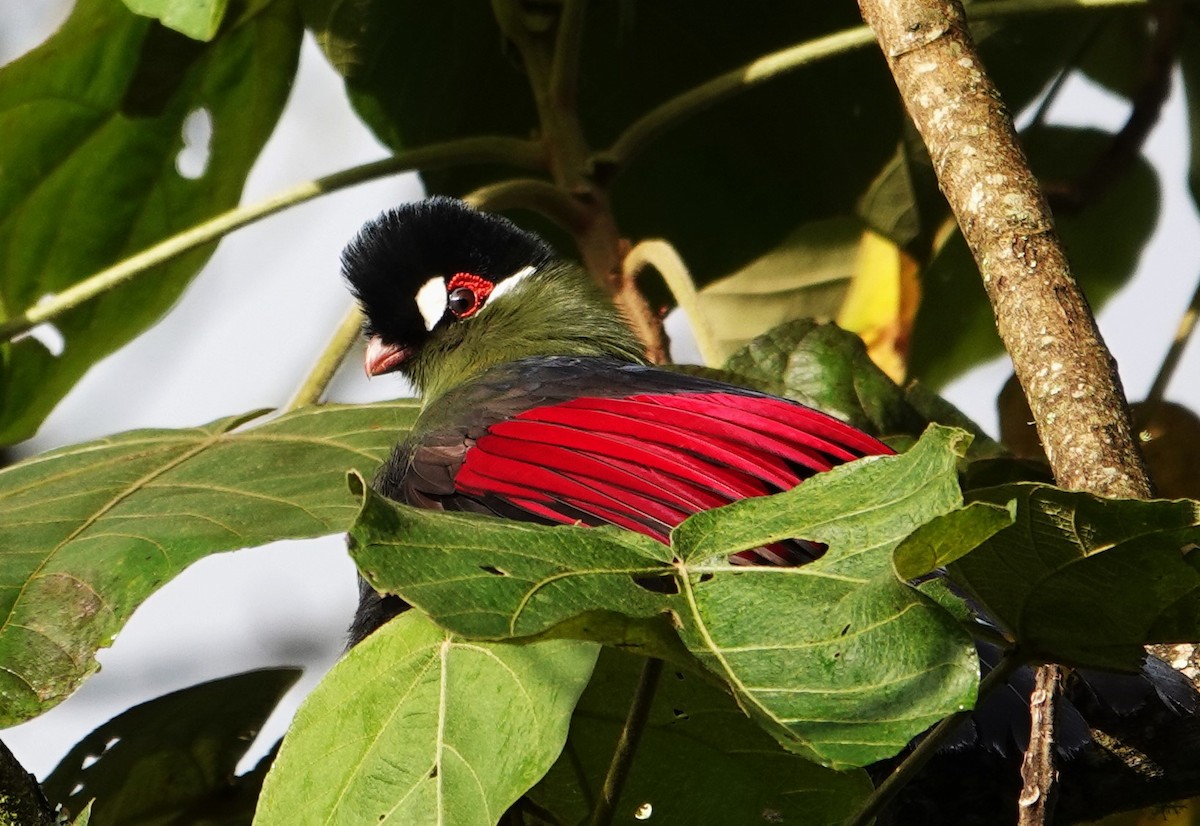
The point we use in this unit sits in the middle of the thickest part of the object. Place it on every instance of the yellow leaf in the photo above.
(882, 302)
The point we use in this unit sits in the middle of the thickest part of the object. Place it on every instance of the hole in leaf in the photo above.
(679, 713)
(661, 584)
(644, 811)
(846, 630)
(433, 773)
(705, 577)
(492, 569)
(192, 160)
(679, 675)
(48, 336)
(89, 760)
(111, 743)
(78, 787)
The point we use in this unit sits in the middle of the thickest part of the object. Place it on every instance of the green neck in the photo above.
(557, 312)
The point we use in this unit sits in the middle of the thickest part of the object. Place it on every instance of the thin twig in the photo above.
(512, 151)
(322, 372)
(928, 747)
(631, 732)
(1125, 147)
(665, 259)
(1183, 333)
(1037, 768)
(638, 135)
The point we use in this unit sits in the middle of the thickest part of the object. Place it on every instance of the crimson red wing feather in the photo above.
(646, 462)
(607, 418)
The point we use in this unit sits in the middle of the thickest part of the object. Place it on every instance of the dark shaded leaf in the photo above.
(827, 368)
(173, 759)
(1089, 581)
(700, 759)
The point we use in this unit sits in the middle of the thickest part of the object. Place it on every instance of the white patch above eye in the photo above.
(512, 282)
(431, 301)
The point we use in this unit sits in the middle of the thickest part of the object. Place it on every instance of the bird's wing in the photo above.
(593, 441)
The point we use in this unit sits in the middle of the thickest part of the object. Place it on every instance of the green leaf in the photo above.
(948, 537)
(777, 635)
(825, 367)
(700, 759)
(89, 531)
(888, 497)
(837, 659)
(1104, 241)
(93, 124)
(198, 19)
(806, 275)
(417, 726)
(173, 759)
(1088, 581)
(85, 817)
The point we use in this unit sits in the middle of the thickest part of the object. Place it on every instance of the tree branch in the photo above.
(1036, 802)
(1046, 325)
(1067, 373)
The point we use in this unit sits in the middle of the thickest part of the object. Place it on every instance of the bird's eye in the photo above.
(462, 301)
(466, 294)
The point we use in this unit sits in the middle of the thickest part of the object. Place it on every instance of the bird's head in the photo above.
(448, 291)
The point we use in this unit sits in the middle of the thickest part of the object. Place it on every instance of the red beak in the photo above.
(384, 358)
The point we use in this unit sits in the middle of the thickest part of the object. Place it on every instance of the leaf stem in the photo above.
(665, 259)
(631, 732)
(920, 755)
(542, 197)
(322, 372)
(638, 135)
(491, 149)
(564, 66)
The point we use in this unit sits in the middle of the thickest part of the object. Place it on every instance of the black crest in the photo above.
(394, 255)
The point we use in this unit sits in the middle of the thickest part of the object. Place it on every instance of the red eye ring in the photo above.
(466, 294)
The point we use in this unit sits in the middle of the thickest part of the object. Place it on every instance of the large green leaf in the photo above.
(92, 123)
(839, 660)
(89, 531)
(955, 328)
(806, 276)
(415, 725)
(173, 759)
(699, 759)
(1089, 581)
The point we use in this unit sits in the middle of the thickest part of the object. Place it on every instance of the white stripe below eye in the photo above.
(511, 283)
(431, 301)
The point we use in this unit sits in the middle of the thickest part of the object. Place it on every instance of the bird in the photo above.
(539, 406)
(538, 402)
